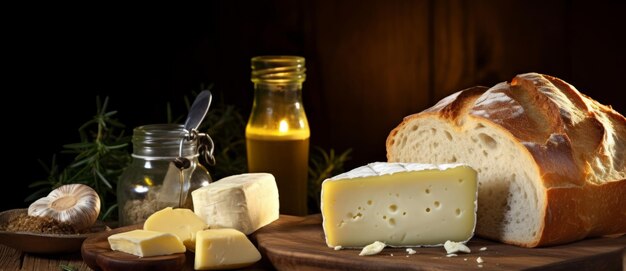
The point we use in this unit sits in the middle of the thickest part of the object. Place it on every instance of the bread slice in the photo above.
(551, 161)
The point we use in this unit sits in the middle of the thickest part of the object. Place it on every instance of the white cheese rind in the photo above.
(400, 204)
(244, 202)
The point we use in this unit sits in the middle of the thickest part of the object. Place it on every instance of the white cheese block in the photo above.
(400, 204)
(244, 202)
(180, 222)
(145, 243)
(224, 249)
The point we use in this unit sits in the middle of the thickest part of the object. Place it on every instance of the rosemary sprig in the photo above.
(103, 152)
(323, 165)
(99, 159)
(67, 267)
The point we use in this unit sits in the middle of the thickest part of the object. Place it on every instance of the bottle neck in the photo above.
(277, 111)
(275, 92)
(278, 77)
(161, 142)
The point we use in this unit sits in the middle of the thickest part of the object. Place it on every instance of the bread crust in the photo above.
(577, 144)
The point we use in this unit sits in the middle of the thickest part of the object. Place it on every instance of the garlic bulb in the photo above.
(75, 204)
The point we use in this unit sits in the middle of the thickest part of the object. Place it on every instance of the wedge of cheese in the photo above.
(224, 249)
(181, 222)
(245, 202)
(144, 243)
(400, 204)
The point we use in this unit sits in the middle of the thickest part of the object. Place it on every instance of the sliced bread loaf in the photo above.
(551, 161)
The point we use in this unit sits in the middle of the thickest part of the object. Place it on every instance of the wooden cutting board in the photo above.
(297, 243)
(97, 254)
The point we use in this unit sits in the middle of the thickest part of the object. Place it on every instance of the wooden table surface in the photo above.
(12, 259)
(297, 243)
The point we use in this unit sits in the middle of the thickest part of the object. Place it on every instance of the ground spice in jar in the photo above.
(137, 211)
(35, 224)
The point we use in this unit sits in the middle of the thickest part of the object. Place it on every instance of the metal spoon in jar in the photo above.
(198, 111)
(196, 115)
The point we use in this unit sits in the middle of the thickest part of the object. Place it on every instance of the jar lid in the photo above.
(278, 69)
(161, 140)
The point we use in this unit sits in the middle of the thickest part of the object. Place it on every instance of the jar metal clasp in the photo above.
(196, 115)
(205, 150)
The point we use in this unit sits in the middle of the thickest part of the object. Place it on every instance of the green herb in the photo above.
(99, 159)
(65, 267)
(323, 165)
(103, 152)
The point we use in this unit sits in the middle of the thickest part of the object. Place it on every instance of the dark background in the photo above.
(370, 63)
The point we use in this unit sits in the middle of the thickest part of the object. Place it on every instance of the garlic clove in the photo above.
(75, 204)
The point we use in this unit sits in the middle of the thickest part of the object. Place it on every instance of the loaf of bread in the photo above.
(551, 161)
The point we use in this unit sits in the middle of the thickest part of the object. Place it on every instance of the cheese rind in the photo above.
(144, 243)
(181, 222)
(244, 202)
(400, 204)
(224, 249)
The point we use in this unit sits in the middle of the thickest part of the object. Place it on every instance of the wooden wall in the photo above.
(370, 62)
(374, 62)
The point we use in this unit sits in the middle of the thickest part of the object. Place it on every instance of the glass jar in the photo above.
(151, 182)
(277, 133)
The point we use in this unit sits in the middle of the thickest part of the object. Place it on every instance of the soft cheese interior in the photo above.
(245, 202)
(145, 243)
(400, 204)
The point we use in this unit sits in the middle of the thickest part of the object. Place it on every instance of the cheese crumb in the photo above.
(483, 248)
(407, 256)
(391, 254)
(338, 247)
(372, 249)
(453, 247)
(410, 251)
(479, 260)
(465, 259)
(480, 266)
(451, 255)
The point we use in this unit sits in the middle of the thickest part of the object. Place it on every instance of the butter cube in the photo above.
(245, 202)
(224, 249)
(146, 243)
(400, 204)
(181, 222)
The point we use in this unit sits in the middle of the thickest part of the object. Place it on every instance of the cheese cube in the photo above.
(146, 243)
(244, 202)
(224, 249)
(400, 204)
(181, 222)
